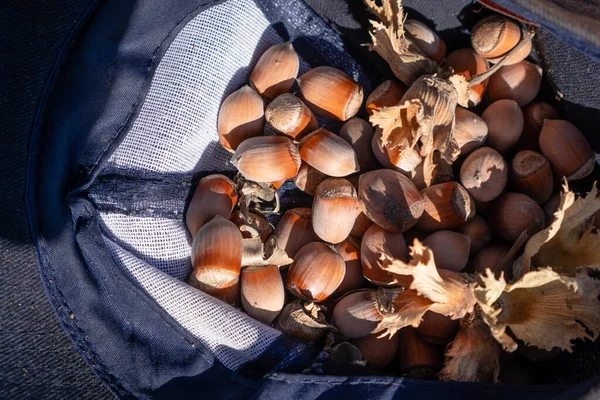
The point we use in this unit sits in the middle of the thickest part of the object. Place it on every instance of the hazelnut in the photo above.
(467, 63)
(359, 134)
(504, 119)
(533, 116)
(479, 233)
(330, 93)
(532, 175)
(446, 206)
(349, 250)
(483, 174)
(437, 329)
(470, 131)
(495, 36)
(426, 39)
(308, 178)
(387, 94)
(263, 294)
(215, 195)
(390, 199)
(567, 149)
(513, 213)
(491, 257)
(288, 115)
(295, 230)
(450, 249)
(267, 159)
(334, 211)
(377, 352)
(520, 82)
(329, 153)
(241, 116)
(375, 242)
(275, 70)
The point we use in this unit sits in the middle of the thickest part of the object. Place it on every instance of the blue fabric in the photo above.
(130, 342)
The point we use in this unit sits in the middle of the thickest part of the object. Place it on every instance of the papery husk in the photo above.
(255, 253)
(255, 196)
(570, 242)
(473, 356)
(399, 308)
(450, 292)
(404, 57)
(303, 320)
(424, 123)
(542, 309)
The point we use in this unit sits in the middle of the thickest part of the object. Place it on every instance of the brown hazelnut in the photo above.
(467, 63)
(349, 250)
(437, 328)
(329, 153)
(450, 249)
(334, 211)
(446, 206)
(513, 213)
(241, 116)
(267, 159)
(532, 175)
(479, 233)
(375, 242)
(295, 230)
(504, 119)
(387, 94)
(377, 352)
(390, 199)
(470, 131)
(215, 195)
(308, 178)
(288, 115)
(567, 149)
(359, 134)
(484, 173)
(520, 82)
(316, 272)
(417, 359)
(275, 70)
(495, 36)
(330, 93)
(533, 117)
(263, 294)
(491, 257)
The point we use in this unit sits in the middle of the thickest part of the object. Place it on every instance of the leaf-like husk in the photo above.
(450, 292)
(543, 308)
(404, 57)
(570, 242)
(399, 308)
(473, 356)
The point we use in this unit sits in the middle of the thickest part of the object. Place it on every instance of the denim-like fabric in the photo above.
(127, 339)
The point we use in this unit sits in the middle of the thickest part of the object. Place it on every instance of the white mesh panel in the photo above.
(208, 59)
(176, 132)
(232, 336)
(161, 242)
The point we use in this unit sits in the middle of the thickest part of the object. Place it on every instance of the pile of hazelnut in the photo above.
(472, 201)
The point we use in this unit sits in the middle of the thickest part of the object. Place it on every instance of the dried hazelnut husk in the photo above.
(288, 115)
(417, 359)
(377, 241)
(426, 39)
(534, 116)
(520, 82)
(491, 258)
(316, 272)
(402, 160)
(263, 294)
(305, 321)
(308, 178)
(450, 249)
(437, 328)
(216, 255)
(387, 94)
(330, 93)
(567, 149)
(504, 119)
(378, 352)
(349, 250)
(495, 36)
(474, 355)
(470, 131)
(513, 213)
(359, 133)
(295, 230)
(334, 210)
(446, 206)
(390, 199)
(329, 153)
(467, 63)
(215, 195)
(267, 158)
(532, 175)
(275, 70)
(551, 206)
(479, 233)
(241, 116)
(484, 173)
(252, 225)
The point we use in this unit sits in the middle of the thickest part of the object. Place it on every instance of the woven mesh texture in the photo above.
(233, 337)
(176, 132)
